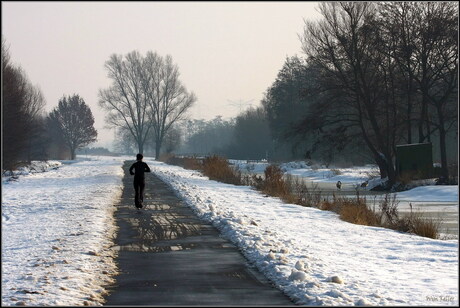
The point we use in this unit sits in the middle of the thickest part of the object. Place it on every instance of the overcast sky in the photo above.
(226, 51)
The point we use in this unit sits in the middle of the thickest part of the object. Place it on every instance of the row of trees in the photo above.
(31, 134)
(22, 105)
(145, 98)
(376, 74)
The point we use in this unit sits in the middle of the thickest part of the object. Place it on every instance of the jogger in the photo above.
(139, 179)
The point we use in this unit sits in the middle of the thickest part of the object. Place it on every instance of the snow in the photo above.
(33, 167)
(57, 228)
(316, 258)
(438, 193)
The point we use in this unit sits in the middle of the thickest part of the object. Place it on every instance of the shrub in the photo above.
(191, 163)
(336, 172)
(274, 184)
(417, 224)
(304, 195)
(217, 168)
(357, 212)
(388, 214)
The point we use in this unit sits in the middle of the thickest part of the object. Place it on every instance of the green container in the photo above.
(415, 160)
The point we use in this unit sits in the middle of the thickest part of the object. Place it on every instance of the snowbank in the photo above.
(437, 193)
(34, 167)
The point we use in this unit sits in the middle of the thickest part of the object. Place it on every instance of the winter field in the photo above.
(58, 226)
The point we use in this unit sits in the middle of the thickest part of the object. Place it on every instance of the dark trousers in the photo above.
(139, 186)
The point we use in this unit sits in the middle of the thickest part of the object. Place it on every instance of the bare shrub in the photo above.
(336, 172)
(191, 163)
(327, 205)
(415, 223)
(166, 157)
(388, 211)
(274, 185)
(357, 212)
(217, 168)
(305, 196)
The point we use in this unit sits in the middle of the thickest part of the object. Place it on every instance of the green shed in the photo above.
(415, 160)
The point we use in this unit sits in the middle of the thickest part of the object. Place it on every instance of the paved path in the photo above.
(167, 256)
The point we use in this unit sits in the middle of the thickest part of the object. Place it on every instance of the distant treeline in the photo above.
(28, 133)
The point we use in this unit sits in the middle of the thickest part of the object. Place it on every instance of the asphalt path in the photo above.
(168, 256)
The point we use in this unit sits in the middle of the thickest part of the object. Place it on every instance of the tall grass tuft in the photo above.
(217, 168)
(274, 184)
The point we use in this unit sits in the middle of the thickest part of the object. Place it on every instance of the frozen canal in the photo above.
(446, 212)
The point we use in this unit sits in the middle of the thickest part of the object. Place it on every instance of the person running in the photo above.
(139, 179)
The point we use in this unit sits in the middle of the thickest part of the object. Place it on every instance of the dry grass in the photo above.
(415, 223)
(302, 193)
(274, 184)
(336, 172)
(192, 163)
(357, 212)
(217, 168)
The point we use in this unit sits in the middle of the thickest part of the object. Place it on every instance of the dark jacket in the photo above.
(139, 168)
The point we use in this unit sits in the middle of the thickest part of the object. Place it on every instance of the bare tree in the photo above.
(22, 109)
(124, 142)
(146, 94)
(75, 122)
(125, 100)
(346, 46)
(167, 96)
(437, 78)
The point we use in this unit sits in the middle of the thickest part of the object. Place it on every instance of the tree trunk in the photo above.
(140, 147)
(157, 150)
(72, 154)
(442, 144)
(409, 123)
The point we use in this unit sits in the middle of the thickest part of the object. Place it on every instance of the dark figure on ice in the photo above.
(339, 185)
(139, 179)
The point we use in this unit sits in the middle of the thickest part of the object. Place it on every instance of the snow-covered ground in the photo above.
(34, 167)
(438, 193)
(57, 227)
(316, 258)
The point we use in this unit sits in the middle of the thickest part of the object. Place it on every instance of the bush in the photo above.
(191, 163)
(217, 168)
(357, 212)
(304, 195)
(415, 223)
(274, 185)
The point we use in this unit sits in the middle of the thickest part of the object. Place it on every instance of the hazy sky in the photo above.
(226, 51)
